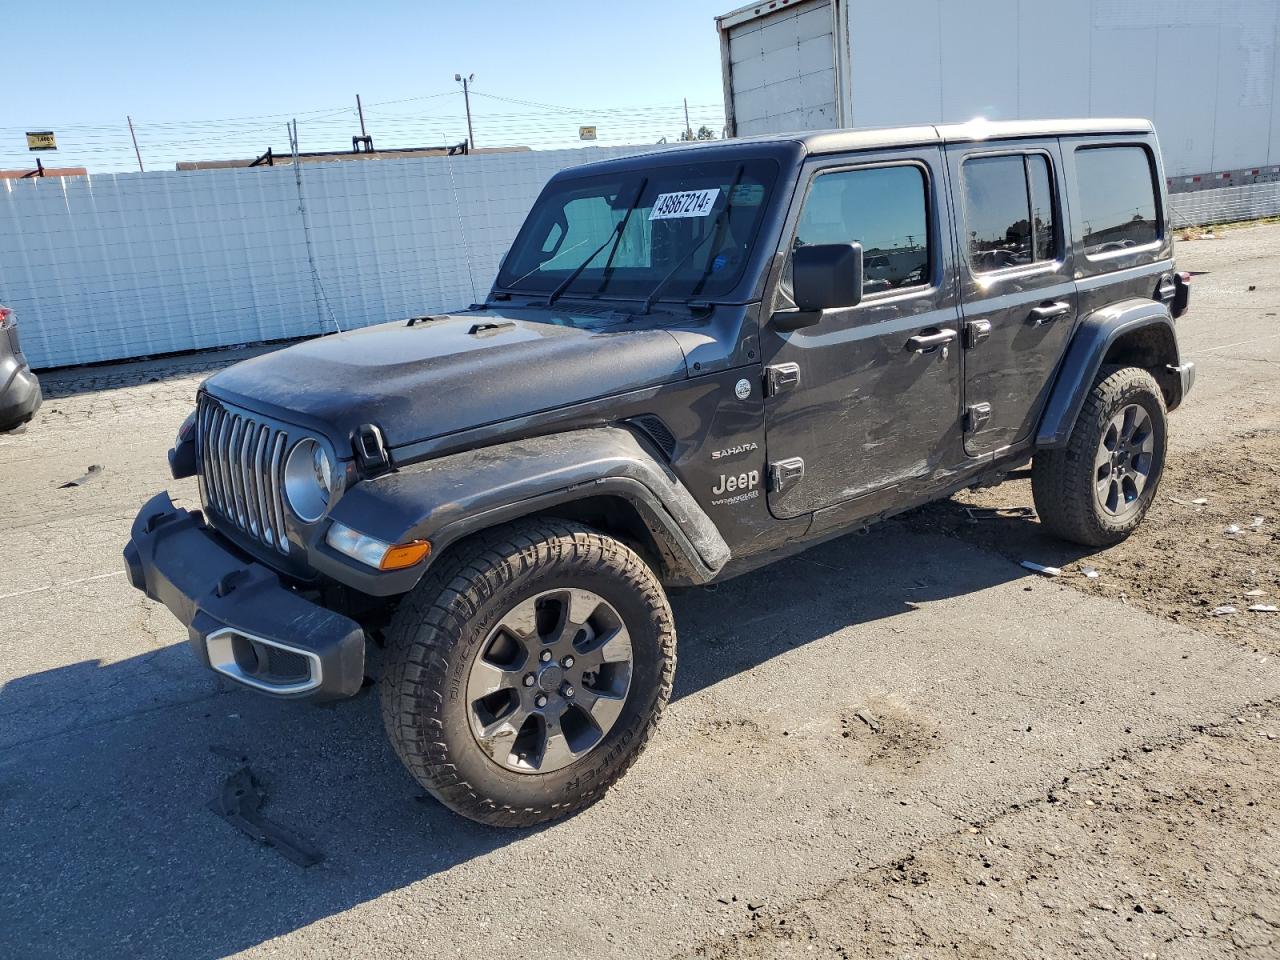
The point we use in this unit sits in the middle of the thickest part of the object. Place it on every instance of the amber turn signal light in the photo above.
(405, 555)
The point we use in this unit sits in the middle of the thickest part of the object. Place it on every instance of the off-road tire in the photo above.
(1063, 480)
(441, 627)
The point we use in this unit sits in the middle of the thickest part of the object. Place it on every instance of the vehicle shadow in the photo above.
(110, 849)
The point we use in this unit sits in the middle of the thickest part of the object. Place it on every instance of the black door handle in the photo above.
(1048, 312)
(927, 341)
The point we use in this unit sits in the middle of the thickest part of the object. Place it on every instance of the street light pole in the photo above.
(466, 96)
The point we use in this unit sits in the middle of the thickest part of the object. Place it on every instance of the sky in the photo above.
(220, 80)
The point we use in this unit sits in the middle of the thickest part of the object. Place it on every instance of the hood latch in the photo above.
(371, 450)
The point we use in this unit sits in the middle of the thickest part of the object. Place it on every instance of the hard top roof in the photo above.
(835, 141)
(842, 141)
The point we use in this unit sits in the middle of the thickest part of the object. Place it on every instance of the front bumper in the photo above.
(242, 621)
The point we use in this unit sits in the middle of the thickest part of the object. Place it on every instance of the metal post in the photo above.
(360, 110)
(134, 136)
(688, 129)
(466, 96)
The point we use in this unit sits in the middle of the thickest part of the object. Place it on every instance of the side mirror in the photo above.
(827, 275)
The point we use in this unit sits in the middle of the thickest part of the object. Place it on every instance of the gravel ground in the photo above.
(897, 745)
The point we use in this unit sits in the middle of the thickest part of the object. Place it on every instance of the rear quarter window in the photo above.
(1117, 207)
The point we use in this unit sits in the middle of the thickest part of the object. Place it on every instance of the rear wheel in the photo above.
(1097, 489)
(526, 672)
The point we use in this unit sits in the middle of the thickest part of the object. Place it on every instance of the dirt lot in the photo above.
(897, 745)
(1211, 542)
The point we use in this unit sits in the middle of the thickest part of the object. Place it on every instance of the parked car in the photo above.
(682, 371)
(19, 388)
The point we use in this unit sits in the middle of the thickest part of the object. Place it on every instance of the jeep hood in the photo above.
(449, 373)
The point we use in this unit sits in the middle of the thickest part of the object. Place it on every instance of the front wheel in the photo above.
(525, 674)
(1097, 489)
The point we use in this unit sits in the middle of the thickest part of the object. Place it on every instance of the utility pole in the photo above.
(688, 129)
(134, 137)
(466, 96)
(360, 110)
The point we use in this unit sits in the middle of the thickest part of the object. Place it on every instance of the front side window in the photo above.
(883, 208)
(695, 223)
(1008, 202)
(1117, 198)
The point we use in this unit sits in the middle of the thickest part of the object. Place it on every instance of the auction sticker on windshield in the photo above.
(688, 203)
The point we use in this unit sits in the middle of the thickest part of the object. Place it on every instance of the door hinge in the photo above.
(780, 378)
(785, 473)
(976, 417)
(975, 331)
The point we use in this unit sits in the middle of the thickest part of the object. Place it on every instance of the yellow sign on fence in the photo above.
(42, 140)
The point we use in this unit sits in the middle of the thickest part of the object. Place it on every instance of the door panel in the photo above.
(871, 407)
(1019, 300)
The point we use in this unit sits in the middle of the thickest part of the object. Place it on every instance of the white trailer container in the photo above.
(1204, 71)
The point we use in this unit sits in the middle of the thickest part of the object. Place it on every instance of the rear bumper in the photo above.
(19, 392)
(242, 622)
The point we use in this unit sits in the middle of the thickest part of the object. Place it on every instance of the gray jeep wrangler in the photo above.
(692, 362)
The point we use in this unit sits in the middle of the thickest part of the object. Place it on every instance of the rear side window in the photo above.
(1117, 198)
(882, 208)
(1009, 211)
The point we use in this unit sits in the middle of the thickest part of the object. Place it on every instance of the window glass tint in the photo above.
(1117, 198)
(882, 208)
(1046, 237)
(1009, 211)
(695, 221)
(996, 212)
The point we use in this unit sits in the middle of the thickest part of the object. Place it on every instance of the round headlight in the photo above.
(308, 481)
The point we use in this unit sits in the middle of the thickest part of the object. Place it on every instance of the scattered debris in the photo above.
(1089, 572)
(1257, 522)
(1047, 571)
(1264, 608)
(1222, 611)
(239, 802)
(93, 471)
(1182, 503)
(998, 513)
(1256, 593)
(1200, 501)
(869, 720)
(1231, 530)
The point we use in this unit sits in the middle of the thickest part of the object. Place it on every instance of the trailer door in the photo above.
(779, 68)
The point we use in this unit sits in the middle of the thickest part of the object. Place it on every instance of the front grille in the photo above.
(241, 466)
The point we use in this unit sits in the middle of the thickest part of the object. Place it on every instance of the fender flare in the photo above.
(451, 497)
(1090, 343)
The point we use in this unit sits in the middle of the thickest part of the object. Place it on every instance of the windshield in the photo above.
(637, 227)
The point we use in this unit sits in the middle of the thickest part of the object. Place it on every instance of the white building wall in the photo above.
(113, 266)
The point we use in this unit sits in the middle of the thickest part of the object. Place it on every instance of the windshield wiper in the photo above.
(607, 275)
(615, 238)
(721, 220)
